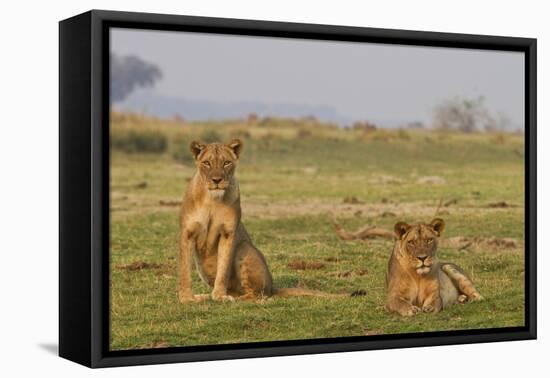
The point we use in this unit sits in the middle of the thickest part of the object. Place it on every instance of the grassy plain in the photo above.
(294, 176)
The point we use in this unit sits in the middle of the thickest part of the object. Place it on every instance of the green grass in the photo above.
(290, 183)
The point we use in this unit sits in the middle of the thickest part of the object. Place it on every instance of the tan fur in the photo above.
(212, 233)
(416, 280)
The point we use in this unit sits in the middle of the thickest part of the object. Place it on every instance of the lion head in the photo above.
(418, 244)
(216, 163)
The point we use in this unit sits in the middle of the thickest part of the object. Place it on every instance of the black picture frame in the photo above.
(84, 187)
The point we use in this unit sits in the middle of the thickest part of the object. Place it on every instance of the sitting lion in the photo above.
(416, 280)
(212, 233)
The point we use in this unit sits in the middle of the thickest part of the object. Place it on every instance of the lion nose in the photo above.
(422, 258)
(216, 180)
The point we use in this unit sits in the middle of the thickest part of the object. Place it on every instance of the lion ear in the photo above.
(438, 225)
(400, 229)
(196, 148)
(237, 146)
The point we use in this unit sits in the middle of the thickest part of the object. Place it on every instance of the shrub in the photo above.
(265, 121)
(136, 141)
(240, 134)
(252, 118)
(303, 133)
(365, 126)
(402, 134)
(499, 138)
(180, 149)
(466, 115)
(382, 135)
(210, 136)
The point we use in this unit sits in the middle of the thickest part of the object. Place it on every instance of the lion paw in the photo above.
(428, 308)
(410, 311)
(223, 297)
(462, 298)
(186, 297)
(476, 297)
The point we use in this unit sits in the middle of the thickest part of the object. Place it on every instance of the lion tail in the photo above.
(461, 280)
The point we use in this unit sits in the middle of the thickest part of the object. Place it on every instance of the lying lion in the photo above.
(212, 233)
(416, 280)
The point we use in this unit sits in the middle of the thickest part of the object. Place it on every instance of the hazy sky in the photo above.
(359, 80)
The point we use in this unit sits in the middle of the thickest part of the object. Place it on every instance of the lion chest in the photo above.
(208, 227)
(427, 287)
(417, 291)
(410, 291)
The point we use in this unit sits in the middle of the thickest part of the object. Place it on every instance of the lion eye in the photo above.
(206, 163)
(227, 164)
(410, 242)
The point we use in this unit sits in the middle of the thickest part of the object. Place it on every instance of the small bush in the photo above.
(240, 134)
(404, 135)
(499, 138)
(265, 121)
(210, 136)
(381, 135)
(365, 126)
(180, 149)
(304, 134)
(252, 118)
(136, 141)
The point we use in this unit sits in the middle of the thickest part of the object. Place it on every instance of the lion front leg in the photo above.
(187, 246)
(433, 303)
(402, 306)
(224, 266)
